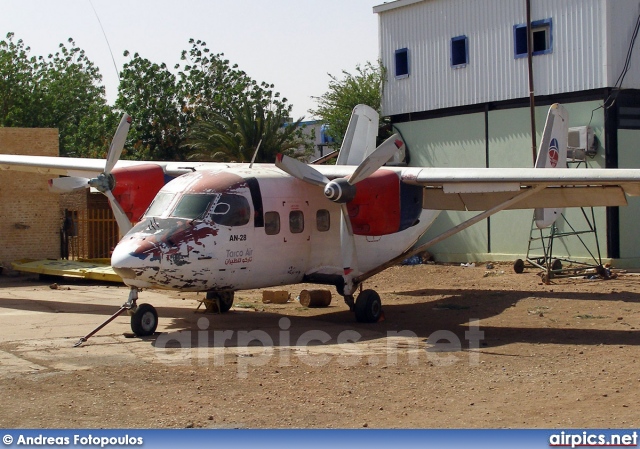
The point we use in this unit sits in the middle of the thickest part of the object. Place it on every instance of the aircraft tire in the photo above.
(226, 300)
(144, 320)
(368, 307)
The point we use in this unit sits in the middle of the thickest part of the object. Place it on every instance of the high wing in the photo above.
(476, 189)
(75, 166)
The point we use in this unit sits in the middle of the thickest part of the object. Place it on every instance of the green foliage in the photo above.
(60, 91)
(149, 93)
(235, 136)
(207, 94)
(335, 106)
(188, 114)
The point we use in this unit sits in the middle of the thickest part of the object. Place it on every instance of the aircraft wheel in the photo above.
(144, 320)
(556, 265)
(226, 300)
(518, 266)
(368, 307)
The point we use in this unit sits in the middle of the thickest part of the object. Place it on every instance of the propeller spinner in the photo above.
(104, 182)
(343, 190)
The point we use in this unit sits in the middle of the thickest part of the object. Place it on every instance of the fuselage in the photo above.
(242, 228)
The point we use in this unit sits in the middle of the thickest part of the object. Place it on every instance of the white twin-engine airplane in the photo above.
(219, 228)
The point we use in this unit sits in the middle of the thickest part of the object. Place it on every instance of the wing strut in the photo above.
(462, 226)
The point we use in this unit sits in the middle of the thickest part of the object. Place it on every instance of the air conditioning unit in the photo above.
(581, 143)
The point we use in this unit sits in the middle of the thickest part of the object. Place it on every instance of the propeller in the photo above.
(343, 190)
(104, 182)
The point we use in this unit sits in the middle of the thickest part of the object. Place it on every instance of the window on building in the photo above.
(271, 223)
(323, 222)
(459, 51)
(402, 63)
(542, 38)
(296, 221)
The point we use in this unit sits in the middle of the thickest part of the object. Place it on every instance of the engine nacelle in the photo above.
(135, 188)
(384, 205)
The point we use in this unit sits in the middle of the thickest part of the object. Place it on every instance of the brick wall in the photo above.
(30, 217)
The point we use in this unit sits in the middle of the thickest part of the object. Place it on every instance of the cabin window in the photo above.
(459, 51)
(231, 210)
(323, 222)
(402, 63)
(272, 223)
(159, 204)
(542, 38)
(296, 221)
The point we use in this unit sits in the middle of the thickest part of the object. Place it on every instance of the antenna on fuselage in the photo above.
(253, 159)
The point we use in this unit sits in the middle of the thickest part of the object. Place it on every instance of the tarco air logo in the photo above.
(554, 155)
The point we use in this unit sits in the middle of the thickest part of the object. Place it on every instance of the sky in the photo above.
(293, 44)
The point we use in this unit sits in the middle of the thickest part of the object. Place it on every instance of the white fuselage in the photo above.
(282, 231)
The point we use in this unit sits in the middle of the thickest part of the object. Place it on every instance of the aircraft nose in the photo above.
(134, 261)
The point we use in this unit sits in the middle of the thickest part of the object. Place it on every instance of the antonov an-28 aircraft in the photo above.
(219, 228)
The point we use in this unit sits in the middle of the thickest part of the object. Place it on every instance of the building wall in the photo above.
(502, 138)
(590, 43)
(29, 215)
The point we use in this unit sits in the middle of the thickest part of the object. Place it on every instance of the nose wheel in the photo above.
(144, 320)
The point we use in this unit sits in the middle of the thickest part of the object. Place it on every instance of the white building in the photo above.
(458, 90)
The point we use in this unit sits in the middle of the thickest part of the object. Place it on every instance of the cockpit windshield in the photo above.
(193, 206)
(225, 209)
(160, 204)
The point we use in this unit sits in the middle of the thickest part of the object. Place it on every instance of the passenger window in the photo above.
(271, 223)
(323, 220)
(296, 221)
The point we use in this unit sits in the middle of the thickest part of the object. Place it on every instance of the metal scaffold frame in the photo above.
(562, 266)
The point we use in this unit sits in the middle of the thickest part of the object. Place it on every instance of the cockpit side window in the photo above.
(159, 204)
(231, 210)
(192, 206)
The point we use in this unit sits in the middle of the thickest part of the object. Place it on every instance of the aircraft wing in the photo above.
(476, 189)
(85, 167)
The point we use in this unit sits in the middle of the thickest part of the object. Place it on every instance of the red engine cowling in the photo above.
(384, 205)
(136, 187)
(375, 210)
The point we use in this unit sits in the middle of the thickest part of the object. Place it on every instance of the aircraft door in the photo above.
(287, 225)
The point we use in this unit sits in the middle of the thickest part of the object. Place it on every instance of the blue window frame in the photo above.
(402, 63)
(542, 34)
(459, 51)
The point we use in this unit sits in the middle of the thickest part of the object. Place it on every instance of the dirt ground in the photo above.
(459, 347)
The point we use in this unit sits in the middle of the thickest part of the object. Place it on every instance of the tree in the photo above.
(335, 105)
(61, 91)
(208, 94)
(150, 94)
(234, 136)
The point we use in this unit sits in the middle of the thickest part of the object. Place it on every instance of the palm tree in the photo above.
(235, 137)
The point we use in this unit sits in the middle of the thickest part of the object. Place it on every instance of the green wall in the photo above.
(459, 141)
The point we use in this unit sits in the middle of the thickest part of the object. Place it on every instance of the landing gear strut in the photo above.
(367, 306)
(144, 318)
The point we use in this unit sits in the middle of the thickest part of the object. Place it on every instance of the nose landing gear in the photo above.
(144, 318)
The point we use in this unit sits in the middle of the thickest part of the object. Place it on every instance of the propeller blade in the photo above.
(117, 144)
(68, 184)
(376, 159)
(124, 224)
(300, 170)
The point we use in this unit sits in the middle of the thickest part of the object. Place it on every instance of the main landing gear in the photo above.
(367, 306)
